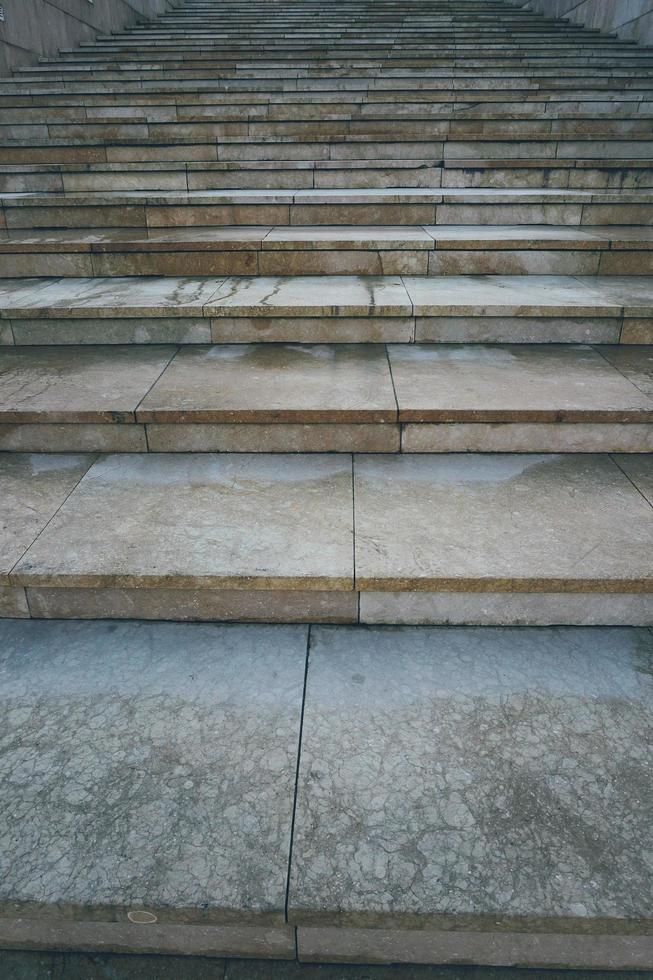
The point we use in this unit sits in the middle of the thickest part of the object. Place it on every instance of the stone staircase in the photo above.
(329, 313)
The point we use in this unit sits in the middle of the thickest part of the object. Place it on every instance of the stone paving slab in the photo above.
(499, 524)
(151, 767)
(275, 383)
(32, 489)
(202, 521)
(481, 779)
(330, 296)
(78, 384)
(441, 383)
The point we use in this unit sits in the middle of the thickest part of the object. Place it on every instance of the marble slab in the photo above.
(634, 362)
(526, 523)
(77, 384)
(475, 779)
(533, 383)
(634, 294)
(311, 296)
(127, 297)
(274, 383)
(480, 295)
(202, 521)
(151, 767)
(32, 488)
(639, 470)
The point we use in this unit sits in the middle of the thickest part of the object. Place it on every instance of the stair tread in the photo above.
(206, 714)
(391, 703)
(261, 238)
(535, 523)
(265, 296)
(420, 748)
(326, 383)
(341, 195)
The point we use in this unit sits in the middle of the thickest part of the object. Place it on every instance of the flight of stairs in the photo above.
(329, 312)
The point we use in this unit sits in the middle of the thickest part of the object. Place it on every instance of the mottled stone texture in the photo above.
(147, 766)
(489, 779)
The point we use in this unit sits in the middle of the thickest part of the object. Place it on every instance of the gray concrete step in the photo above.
(266, 753)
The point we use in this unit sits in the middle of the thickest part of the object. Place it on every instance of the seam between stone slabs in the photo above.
(94, 458)
(640, 492)
(296, 788)
(144, 396)
(394, 392)
(615, 368)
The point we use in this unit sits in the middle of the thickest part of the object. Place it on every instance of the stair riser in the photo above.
(463, 437)
(420, 127)
(543, 151)
(133, 216)
(237, 177)
(367, 262)
(440, 608)
(323, 330)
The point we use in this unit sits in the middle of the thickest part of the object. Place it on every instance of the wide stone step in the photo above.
(571, 116)
(386, 123)
(284, 175)
(328, 207)
(335, 793)
(504, 539)
(281, 398)
(328, 309)
(325, 250)
(543, 152)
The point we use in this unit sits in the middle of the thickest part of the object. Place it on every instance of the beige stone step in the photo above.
(327, 309)
(347, 206)
(453, 538)
(277, 398)
(306, 146)
(326, 250)
(285, 175)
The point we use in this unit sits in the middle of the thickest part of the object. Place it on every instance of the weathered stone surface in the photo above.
(73, 384)
(516, 383)
(127, 753)
(500, 523)
(202, 521)
(240, 605)
(502, 608)
(32, 489)
(475, 778)
(282, 438)
(311, 296)
(274, 942)
(527, 437)
(485, 948)
(639, 470)
(275, 383)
